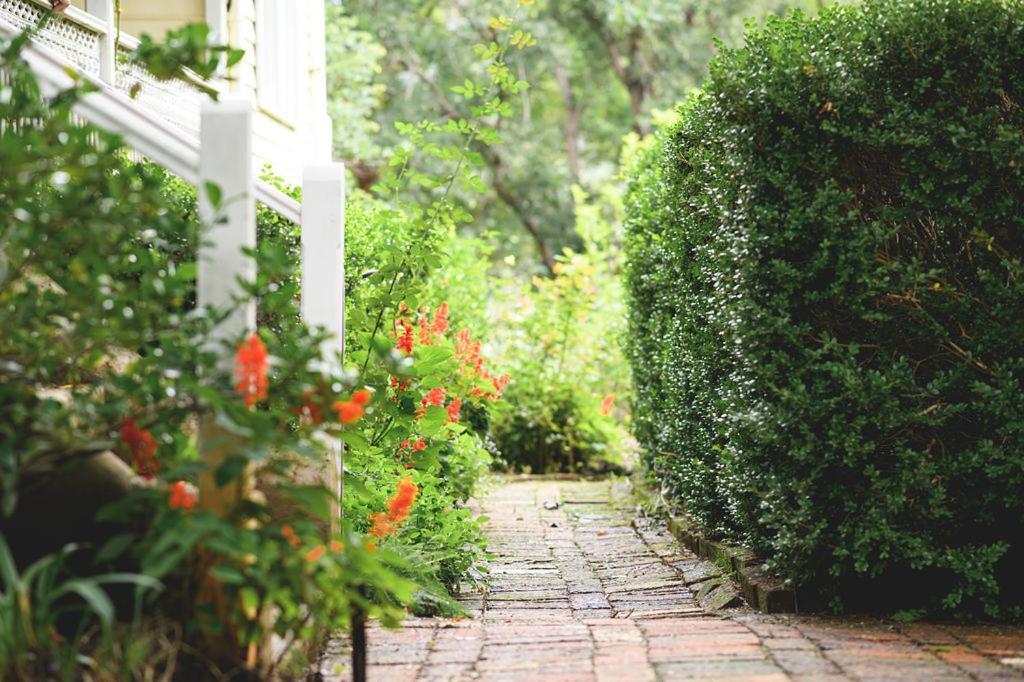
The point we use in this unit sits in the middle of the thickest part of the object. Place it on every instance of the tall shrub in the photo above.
(827, 310)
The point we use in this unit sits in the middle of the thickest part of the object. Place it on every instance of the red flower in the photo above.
(251, 370)
(440, 325)
(500, 383)
(362, 397)
(434, 397)
(290, 536)
(399, 505)
(142, 447)
(419, 445)
(315, 553)
(454, 408)
(607, 404)
(405, 340)
(309, 411)
(182, 496)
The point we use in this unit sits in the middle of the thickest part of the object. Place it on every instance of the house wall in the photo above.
(155, 17)
(286, 80)
(292, 127)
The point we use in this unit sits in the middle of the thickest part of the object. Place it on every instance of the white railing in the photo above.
(220, 153)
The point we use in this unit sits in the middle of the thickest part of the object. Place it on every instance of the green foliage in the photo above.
(183, 52)
(600, 69)
(353, 68)
(825, 302)
(404, 261)
(97, 279)
(45, 596)
(559, 339)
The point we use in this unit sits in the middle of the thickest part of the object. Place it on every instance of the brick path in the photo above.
(577, 594)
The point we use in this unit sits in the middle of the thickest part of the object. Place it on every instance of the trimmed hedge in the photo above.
(827, 302)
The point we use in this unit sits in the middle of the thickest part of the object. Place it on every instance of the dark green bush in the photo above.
(827, 304)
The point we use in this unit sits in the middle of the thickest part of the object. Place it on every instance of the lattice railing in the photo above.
(76, 36)
(86, 40)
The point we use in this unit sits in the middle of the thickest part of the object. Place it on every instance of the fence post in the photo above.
(104, 11)
(227, 212)
(226, 161)
(323, 285)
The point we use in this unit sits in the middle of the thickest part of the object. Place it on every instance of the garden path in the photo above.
(579, 593)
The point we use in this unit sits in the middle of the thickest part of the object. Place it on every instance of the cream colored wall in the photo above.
(155, 16)
(286, 145)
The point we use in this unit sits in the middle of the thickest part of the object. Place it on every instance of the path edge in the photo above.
(762, 591)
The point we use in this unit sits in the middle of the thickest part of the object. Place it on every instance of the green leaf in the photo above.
(187, 272)
(213, 193)
(92, 595)
(227, 574)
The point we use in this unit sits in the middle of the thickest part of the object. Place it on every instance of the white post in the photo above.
(217, 19)
(104, 11)
(228, 216)
(227, 211)
(226, 161)
(323, 281)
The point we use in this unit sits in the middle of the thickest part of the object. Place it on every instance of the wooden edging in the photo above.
(763, 592)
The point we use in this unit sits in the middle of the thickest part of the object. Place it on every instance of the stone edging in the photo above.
(763, 592)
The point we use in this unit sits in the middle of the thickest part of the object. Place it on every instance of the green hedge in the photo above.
(827, 302)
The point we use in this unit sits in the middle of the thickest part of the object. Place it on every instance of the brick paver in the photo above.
(577, 593)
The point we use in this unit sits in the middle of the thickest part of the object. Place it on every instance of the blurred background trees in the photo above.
(603, 69)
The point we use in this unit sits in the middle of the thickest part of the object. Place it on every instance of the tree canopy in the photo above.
(602, 69)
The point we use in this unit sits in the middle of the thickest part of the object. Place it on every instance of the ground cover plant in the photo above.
(825, 302)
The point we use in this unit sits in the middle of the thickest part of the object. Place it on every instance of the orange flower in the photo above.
(351, 411)
(405, 340)
(425, 337)
(380, 526)
(607, 404)
(142, 447)
(434, 397)
(251, 370)
(454, 409)
(315, 553)
(348, 411)
(181, 497)
(337, 546)
(399, 506)
(419, 445)
(290, 536)
(440, 325)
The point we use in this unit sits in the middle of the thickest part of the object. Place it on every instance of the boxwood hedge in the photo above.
(827, 302)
